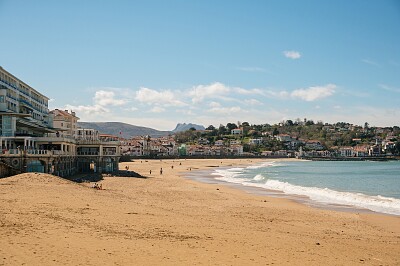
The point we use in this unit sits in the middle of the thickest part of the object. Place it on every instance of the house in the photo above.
(374, 150)
(203, 141)
(236, 150)
(361, 150)
(219, 142)
(281, 153)
(267, 153)
(255, 141)
(346, 151)
(235, 142)
(237, 131)
(283, 137)
(314, 145)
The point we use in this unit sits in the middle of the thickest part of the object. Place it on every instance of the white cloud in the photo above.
(164, 98)
(214, 104)
(87, 109)
(200, 92)
(157, 109)
(389, 88)
(277, 94)
(248, 91)
(314, 93)
(253, 102)
(370, 62)
(292, 54)
(106, 98)
(131, 109)
(226, 110)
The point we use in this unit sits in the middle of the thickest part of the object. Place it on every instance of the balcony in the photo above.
(95, 153)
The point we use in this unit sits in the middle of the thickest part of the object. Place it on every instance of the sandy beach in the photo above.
(170, 220)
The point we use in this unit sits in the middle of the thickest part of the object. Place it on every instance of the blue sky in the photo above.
(158, 63)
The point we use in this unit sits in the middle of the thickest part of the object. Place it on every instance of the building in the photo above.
(23, 110)
(31, 143)
(65, 122)
(237, 131)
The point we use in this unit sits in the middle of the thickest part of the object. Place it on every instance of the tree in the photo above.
(275, 132)
(231, 126)
(210, 127)
(289, 123)
(221, 130)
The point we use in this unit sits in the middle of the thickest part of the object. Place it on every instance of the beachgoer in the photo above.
(172, 167)
(150, 171)
(161, 171)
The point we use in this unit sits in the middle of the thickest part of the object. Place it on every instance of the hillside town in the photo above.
(341, 140)
(35, 139)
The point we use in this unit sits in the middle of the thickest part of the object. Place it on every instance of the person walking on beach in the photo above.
(150, 171)
(161, 171)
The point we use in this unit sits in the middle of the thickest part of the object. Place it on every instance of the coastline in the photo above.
(218, 176)
(170, 220)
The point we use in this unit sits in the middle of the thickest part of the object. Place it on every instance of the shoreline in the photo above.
(170, 220)
(206, 176)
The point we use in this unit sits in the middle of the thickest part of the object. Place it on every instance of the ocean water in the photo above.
(367, 185)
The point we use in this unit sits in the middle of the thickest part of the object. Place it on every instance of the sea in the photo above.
(347, 185)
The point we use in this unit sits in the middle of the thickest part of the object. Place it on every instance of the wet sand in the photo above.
(170, 220)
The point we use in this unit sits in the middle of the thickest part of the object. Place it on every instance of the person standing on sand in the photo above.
(161, 171)
(150, 171)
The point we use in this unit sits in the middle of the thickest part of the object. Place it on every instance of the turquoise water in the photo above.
(366, 184)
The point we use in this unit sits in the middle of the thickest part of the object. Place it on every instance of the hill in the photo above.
(127, 130)
(183, 127)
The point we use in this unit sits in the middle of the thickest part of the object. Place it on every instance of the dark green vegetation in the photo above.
(300, 132)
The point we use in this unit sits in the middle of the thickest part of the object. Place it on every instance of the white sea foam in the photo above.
(323, 195)
(259, 177)
(230, 175)
(265, 164)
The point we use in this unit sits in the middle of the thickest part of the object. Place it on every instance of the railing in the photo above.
(30, 152)
(11, 151)
(87, 153)
(55, 139)
(14, 87)
(109, 153)
(39, 152)
(97, 142)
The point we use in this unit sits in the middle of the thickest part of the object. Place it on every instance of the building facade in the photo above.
(30, 142)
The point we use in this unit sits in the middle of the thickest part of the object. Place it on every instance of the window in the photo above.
(6, 126)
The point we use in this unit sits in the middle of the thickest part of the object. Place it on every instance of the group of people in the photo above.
(97, 186)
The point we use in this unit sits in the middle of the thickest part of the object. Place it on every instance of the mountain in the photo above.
(127, 130)
(183, 127)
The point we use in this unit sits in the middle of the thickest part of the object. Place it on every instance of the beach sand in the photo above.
(170, 220)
